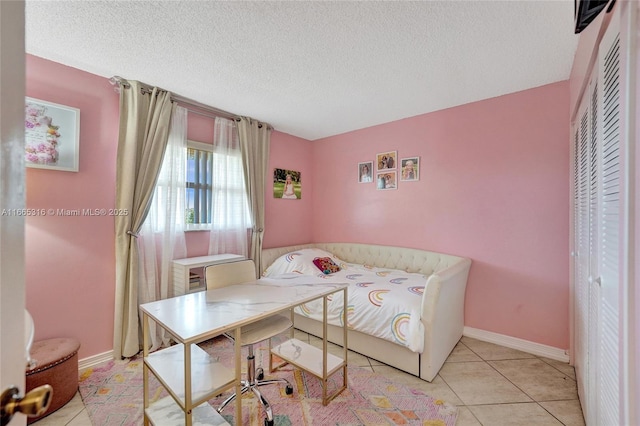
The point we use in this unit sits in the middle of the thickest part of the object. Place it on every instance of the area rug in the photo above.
(112, 394)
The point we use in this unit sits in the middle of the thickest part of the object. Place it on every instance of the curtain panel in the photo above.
(230, 217)
(254, 140)
(144, 131)
(161, 239)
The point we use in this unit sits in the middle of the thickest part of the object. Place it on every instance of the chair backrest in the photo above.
(231, 273)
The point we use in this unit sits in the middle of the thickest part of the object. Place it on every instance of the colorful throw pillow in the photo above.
(326, 265)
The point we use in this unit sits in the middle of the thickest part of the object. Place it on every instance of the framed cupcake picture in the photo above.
(51, 135)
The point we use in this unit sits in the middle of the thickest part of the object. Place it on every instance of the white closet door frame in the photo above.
(630, 223)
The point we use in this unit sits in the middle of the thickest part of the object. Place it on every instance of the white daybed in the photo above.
(441, 311)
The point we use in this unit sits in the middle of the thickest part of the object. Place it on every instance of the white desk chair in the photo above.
(243, 271)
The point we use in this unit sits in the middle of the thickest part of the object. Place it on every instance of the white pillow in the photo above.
(299, 261)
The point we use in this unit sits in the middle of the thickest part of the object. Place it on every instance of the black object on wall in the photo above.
(587, 10)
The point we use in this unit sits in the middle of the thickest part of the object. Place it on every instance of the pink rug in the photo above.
(112, 394)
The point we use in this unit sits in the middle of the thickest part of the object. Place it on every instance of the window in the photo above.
(199, 185)
(215, 190)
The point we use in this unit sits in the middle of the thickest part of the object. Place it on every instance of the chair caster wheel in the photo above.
(268, 422)
(288, 390)
(259, 373)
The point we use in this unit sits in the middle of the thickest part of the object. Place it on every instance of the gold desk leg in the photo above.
(325, 401)
(188, 402)
(145, 369)
(273, 368)
(238, 358)
(327, 398)
(345, 329)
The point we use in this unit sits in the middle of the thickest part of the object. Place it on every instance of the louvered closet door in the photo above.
(594, 223)
(609, 259)
(597, 240)
(585, 251)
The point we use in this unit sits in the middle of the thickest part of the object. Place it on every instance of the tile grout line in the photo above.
(468, 407)
(553, 366)
(84, 409)
(454, 392)
(521, 390)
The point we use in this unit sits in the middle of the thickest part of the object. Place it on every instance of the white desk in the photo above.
(196, 317)
(181, 268)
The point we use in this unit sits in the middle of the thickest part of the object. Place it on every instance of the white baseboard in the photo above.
(95, 360)
(516, 343)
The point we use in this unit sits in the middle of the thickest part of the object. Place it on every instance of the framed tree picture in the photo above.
(287, 184)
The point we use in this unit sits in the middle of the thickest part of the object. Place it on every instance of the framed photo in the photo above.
(386, 180)
(51, 136)
(386, 160)
(287, 184)
(365, 172)
(410, 169)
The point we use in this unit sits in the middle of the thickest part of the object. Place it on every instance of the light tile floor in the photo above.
(490, 384)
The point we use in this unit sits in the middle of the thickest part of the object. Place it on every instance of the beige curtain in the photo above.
(230, 217)
(161, 238)
(254, 144)
(144, 131)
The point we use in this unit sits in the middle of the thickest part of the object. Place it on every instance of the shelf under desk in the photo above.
(196, 317)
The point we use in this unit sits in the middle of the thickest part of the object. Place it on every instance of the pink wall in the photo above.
(289, 221)
(70, 261)
(494, 187)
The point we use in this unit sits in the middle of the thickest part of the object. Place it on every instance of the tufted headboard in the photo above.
(406, 259)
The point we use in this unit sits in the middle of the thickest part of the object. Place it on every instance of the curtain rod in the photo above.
(191, 105)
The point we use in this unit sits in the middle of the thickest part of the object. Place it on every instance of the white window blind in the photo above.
(199, 185)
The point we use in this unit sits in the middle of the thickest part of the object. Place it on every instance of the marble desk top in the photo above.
(197, 316)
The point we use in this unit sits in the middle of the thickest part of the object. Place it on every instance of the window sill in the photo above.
(198, 229)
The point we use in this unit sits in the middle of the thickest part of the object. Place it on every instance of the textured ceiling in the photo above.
(314, 69)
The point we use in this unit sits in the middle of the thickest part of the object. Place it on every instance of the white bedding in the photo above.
(384, 303)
